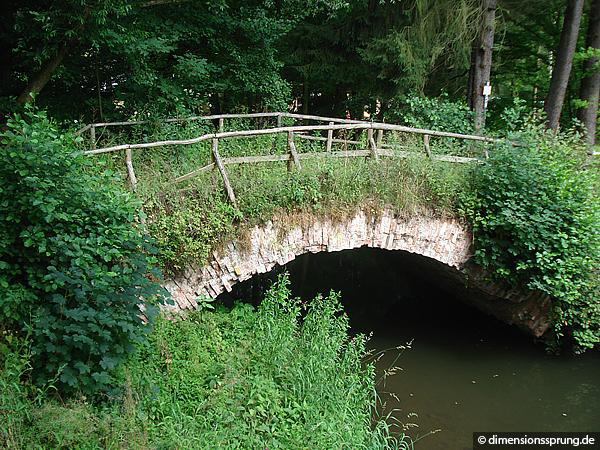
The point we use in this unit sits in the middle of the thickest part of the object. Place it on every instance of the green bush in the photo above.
(284, 375)
(508, 114)
(74, 263)
(186, 231)
(536, 219)
(30, 418)
(438, 113)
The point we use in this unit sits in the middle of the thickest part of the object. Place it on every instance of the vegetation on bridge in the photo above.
(536, 220)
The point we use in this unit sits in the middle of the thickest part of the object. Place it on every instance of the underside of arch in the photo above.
(277, 243)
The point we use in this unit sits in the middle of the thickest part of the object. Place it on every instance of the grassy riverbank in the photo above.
(285, 375)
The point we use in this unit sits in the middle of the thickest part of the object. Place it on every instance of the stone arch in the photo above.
(442, 244)
(445, 240)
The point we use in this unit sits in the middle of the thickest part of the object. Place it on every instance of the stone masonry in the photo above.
(444, 240)
(442, 248)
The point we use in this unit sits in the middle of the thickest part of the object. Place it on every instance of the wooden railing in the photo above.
(376, 148)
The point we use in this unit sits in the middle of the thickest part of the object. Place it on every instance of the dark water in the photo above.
(464, 371)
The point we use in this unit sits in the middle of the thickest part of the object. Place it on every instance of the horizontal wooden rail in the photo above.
(294, 129)
(375, 148)
(344, 141)
(320, 118)
(218, 117)
(177, 119)
(82, 130)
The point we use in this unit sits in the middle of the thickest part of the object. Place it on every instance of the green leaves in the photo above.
(431, 113)
(74, 267)
(536, 220)
(286, 375)
(186, 233)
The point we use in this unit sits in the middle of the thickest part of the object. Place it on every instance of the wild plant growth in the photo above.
(188, 220)
(75, 265)
(535, 213)
(285, 375)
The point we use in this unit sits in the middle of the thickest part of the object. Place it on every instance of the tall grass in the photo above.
(286, 375)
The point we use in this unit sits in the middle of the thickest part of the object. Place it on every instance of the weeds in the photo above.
(191, 219)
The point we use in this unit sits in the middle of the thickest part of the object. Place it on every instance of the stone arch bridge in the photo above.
(441, 246)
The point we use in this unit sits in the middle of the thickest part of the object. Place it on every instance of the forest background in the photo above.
(123, 59)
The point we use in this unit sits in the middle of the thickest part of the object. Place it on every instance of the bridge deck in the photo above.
(375, 147)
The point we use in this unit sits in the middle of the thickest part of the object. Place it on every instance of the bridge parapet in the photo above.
(372, 146)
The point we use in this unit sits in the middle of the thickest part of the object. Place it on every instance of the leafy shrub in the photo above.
(31, 418)
(186, 232)
(537, 222)
(284, 375)
(74, 264)
(439, 113)
(508, 114)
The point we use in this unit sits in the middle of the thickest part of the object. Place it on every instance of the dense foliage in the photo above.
(438, 113)
(286, 375)
(74, 264)
(118, 58)
(536, 218)
(186, 232)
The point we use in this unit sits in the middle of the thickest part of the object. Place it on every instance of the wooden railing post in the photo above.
(93, 137)
(426, 145)
(294, 159)
(372, 145)
(274, 146)
(221, 124)
(379, 138)
(221, 167)
(329, 138)
(130, 172)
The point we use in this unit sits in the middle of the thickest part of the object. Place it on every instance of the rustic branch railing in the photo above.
(295, 129)
(375, 147)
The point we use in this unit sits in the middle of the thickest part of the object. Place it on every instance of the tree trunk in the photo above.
(306, 97)
(481, 62)
(590, 85)
(38, 82)
(564, 61)
(43, 76)
(470, 86)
